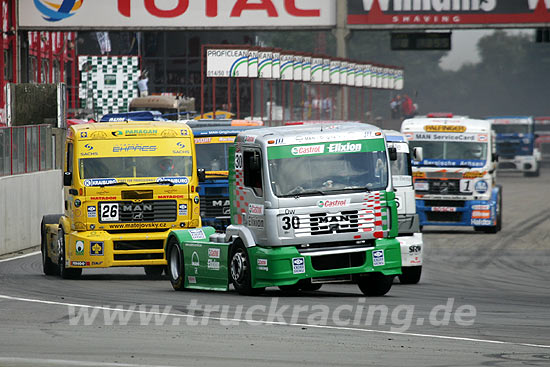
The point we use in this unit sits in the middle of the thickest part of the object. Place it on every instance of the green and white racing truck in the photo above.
(309, 205)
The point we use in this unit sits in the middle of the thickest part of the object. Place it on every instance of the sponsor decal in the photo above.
(298, 265)
(378, 258)
(134, 148)
(255, 209)
(481, 222)
(140, 132)
(79, 263)
(443, 209)
(481, 214)
(100, 181)
(214, 253)
(482, 186)
(182, 210)
(249, 139)
(481, 207)
(92, 210)
(195, 259)
(175, 180)
(79, 247)
(171, 196)
(213, 264)
(54, 11)
(103, 198)
(344, 148)
(421, 186)
(261, 262)
(203, 140)
(97, 262)
(192, 280)
(335, 203)
(308, 149)
(445, 128)
(474, 174)
(256, 221)
(197, 234)
(96, 248)
(83, 134)
(263, 268)
(415, 249)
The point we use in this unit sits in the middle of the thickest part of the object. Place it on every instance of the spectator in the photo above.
(395, 105)
(142, 85)
(407, 107)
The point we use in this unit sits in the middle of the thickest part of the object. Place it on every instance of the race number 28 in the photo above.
(108, 212)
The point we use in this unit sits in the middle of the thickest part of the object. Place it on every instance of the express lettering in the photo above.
(211, 8)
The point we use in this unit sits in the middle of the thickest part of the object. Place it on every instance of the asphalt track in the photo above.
(494, 289)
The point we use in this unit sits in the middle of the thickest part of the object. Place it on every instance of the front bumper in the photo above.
(279, 266)
(520, 163)
(411, 249)
(100, 249)
(472, 213)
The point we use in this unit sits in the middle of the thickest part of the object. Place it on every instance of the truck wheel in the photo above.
(65, 273)
(240, 270)
(176, 266)
(411, 275)
(532, 174)
(375, 284)
(153, 271)
(48, 266)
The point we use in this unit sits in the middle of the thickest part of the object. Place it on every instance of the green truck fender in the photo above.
(201, 234)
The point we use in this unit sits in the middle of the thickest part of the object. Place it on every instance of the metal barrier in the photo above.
(25, 149)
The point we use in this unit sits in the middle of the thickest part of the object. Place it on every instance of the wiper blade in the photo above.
(162, 182)
(114, 184)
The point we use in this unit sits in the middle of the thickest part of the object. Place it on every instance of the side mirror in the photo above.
(67, 178)
(418, 154)
(202, 174)
(392, 153)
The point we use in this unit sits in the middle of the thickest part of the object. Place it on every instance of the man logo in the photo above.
(56, 10)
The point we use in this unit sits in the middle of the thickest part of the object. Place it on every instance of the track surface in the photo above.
(503, 277)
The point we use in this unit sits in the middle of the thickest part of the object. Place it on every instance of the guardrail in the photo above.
(26, 149)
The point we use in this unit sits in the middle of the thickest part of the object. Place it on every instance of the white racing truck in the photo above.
(410, 238)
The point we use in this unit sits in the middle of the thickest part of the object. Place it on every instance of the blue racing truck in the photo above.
(515, 140)
(212, 144)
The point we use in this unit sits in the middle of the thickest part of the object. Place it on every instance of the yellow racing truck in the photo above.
(126, 184)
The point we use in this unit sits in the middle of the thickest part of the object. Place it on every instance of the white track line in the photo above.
(20, 256)
(342, 328)
(62, 362)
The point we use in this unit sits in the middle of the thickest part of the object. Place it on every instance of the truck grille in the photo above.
(349, 221)
(508, 149)
(444, 187)
(138, 245)
(448, 217)
(147, 211)
(338, 261)
(216, 206)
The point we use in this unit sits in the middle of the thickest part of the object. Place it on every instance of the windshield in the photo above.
(328, 172)
(401, 170)
(453, 153)
(212, 157)
(132, 167)
(511, 128)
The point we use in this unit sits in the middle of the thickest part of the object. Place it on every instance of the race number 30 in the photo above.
(108, 212)
(238, 161)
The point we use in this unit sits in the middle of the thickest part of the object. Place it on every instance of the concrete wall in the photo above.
(24, 199)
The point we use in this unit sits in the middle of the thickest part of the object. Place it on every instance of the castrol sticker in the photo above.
(308, 149)
(334, 203)
(255, 209)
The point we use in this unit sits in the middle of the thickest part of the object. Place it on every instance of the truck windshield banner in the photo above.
(342, 147)
(135, 148)
(447, 137)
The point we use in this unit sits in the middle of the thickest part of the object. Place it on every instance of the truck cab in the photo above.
(515, 142)
(126, 185)
(310, 204)
(542, 137)
(212, 145)
(455, 182)
(410, 238)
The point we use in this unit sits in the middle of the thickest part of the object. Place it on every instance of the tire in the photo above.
(375, 284)
(65, 273)
(411, 275)
(176, 265)
(532, 174)
(48, 266)
(153, 271)
(240, 270)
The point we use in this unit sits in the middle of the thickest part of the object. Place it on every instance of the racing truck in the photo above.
(515, 141)
(455, 182)
(410, 237)
(126, 185)
(542, 137)
(309, 205)
(212, 145)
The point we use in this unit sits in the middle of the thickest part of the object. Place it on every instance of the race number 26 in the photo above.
(108, 212)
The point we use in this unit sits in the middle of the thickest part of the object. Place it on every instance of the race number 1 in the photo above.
(108, 212)
(465, 185)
